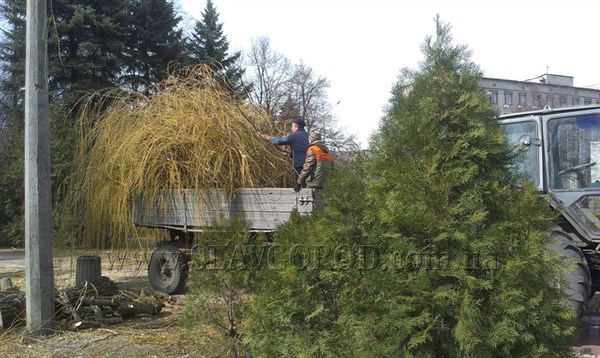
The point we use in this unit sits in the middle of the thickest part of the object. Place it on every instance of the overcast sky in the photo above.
(360, 46)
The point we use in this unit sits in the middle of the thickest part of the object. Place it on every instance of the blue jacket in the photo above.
(298, 141)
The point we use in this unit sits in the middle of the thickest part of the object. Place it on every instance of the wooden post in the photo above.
(88, 269)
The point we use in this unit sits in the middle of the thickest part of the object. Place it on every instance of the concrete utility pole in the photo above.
(39, 271)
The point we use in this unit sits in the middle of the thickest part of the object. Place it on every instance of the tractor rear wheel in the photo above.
(577, 275)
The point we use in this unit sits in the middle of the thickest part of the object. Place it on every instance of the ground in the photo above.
(162, 335)
(140, 336)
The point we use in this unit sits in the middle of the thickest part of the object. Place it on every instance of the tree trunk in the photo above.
(88, 269)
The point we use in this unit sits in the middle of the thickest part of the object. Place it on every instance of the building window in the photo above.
(550, 101)
(587, 101)
(538, 101)
(575, 101)
(494, 97)
(508, 98)
(562, 101)
(522, 100)
(598, 101)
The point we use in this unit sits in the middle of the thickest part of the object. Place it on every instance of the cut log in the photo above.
(88, 269)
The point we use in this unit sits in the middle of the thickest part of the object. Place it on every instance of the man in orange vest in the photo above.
(317, 166)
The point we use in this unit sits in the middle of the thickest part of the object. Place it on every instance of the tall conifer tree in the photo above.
(446, 192)
(459, 265)
(12, 94)
(207, 44)
(85, 47)
(154, 42)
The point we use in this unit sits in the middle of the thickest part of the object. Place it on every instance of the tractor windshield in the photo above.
(574, 152)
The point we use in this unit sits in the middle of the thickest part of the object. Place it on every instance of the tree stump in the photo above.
(88, 269)
(6, 284)
(12, 309)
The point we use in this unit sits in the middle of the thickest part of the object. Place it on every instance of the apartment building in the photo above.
(510, 96)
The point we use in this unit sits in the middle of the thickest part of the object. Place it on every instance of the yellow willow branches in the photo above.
(188, 133)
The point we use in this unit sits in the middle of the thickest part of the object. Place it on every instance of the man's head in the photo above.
(297, 123)
(314, 136)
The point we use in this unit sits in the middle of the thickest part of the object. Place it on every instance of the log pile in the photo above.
(92, 304)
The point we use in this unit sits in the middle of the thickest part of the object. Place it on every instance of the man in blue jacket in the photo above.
(297, 139)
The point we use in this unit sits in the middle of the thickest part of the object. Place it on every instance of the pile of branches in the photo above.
(94, 304)
(100, 303)
(188, 133)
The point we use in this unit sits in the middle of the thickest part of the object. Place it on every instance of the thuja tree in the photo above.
(436, 249)
(445, 191)
(315, 277)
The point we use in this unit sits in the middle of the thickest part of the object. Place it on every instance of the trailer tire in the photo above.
(168, 269)
(577, 276)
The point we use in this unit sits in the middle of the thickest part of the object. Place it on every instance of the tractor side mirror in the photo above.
(525, 141)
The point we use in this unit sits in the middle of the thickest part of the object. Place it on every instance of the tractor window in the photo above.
(574, 152)
(528, 156)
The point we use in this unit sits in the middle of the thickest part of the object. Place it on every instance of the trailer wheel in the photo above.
(577, 276)
(167, 269)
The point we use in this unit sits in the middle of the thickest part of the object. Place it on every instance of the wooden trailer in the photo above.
(186, 211)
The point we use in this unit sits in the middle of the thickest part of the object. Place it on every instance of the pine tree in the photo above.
(460, 265)
(207, 44)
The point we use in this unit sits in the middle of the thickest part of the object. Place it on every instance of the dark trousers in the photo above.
(317, 200)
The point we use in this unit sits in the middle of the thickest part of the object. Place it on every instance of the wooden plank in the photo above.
(263, 208)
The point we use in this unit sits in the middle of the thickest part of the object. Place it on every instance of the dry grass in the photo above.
(189, 133)
(139, 336)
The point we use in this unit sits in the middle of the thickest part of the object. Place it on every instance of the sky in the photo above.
(360, 46)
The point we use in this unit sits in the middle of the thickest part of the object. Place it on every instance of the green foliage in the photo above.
(462, 266)
(91, 46)
(302, 298)
(223, 264)
(153, 42)
(11, 185)
(85, 47)
(208, 45)
(12, 58)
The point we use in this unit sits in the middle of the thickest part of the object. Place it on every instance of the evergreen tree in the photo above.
(460, 265)
(86, 40)
(207, 44)
(154, 42)
(12, 95)
(445, 191)
(12, 60)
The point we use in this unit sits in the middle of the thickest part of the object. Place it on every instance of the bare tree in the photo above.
(268, 73)
(287, 91)
(308, 91)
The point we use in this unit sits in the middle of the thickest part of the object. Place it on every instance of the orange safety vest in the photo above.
(319, 153)
(322, 169)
